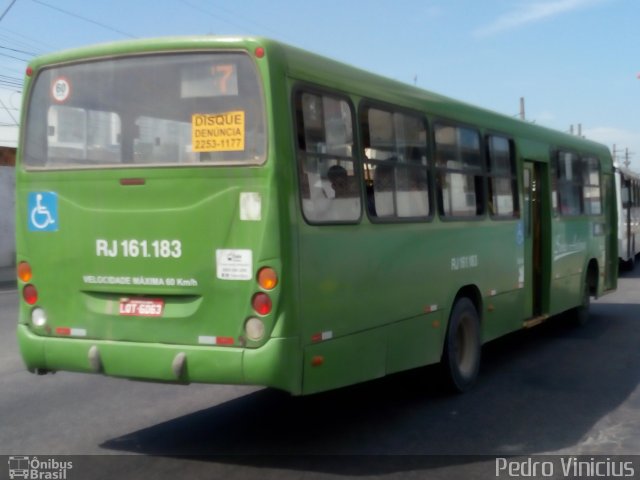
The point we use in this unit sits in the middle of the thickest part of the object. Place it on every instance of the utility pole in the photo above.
(578, 132)
(627, 155)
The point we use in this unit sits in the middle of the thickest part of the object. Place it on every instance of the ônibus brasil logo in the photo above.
(32, 468)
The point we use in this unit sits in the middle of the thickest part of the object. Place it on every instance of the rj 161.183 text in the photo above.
(139, 248)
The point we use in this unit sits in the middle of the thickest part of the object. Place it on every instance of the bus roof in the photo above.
(307, 66)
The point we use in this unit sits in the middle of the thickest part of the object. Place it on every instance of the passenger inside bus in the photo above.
(339, 181)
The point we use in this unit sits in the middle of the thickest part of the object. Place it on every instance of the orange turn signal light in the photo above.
(24, 272)
(267, 278)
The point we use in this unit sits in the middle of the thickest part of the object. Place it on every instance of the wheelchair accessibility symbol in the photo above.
(43, 211)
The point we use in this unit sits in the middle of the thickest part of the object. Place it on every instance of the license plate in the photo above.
(141, 307)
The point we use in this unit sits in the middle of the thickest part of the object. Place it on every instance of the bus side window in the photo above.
(592, 196)
(569, 183)
(624, 193)
(503, 187)
(395, 147)
(578, 184)
(460, 172)
(329, 185)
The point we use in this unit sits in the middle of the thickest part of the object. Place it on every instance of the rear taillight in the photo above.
(261, 303)
(29, 291)
(30, 294)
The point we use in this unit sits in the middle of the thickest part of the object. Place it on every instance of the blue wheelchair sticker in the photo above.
(43, 212)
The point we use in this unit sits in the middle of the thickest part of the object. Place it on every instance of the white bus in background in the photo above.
(628, 201)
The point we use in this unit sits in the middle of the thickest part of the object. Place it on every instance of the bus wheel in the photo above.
(461, 357)
(629, 265)
(580, 315)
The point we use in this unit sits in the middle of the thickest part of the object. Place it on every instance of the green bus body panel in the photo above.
(341, 367)
(416, 268)
(373, 353)
(353, 302)
(200, 212)
(573, 242)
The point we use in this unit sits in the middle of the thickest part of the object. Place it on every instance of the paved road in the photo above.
(553, 389)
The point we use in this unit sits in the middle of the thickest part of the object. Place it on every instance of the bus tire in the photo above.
(580, 314)
(462, 348)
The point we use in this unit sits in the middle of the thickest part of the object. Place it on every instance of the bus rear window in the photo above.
(163, 109)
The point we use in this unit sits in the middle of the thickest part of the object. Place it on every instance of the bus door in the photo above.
(532, 239)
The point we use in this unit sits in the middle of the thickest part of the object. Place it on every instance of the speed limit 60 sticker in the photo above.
(60, 89)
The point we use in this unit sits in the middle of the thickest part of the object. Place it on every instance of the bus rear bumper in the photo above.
(270, 365)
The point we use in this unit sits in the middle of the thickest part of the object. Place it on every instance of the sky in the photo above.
(574, 62)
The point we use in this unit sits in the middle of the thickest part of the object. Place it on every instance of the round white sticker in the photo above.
(60, 90)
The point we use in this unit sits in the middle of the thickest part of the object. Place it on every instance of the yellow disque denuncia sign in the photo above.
(218, 132)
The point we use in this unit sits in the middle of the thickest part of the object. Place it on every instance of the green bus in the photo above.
(240, 211)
